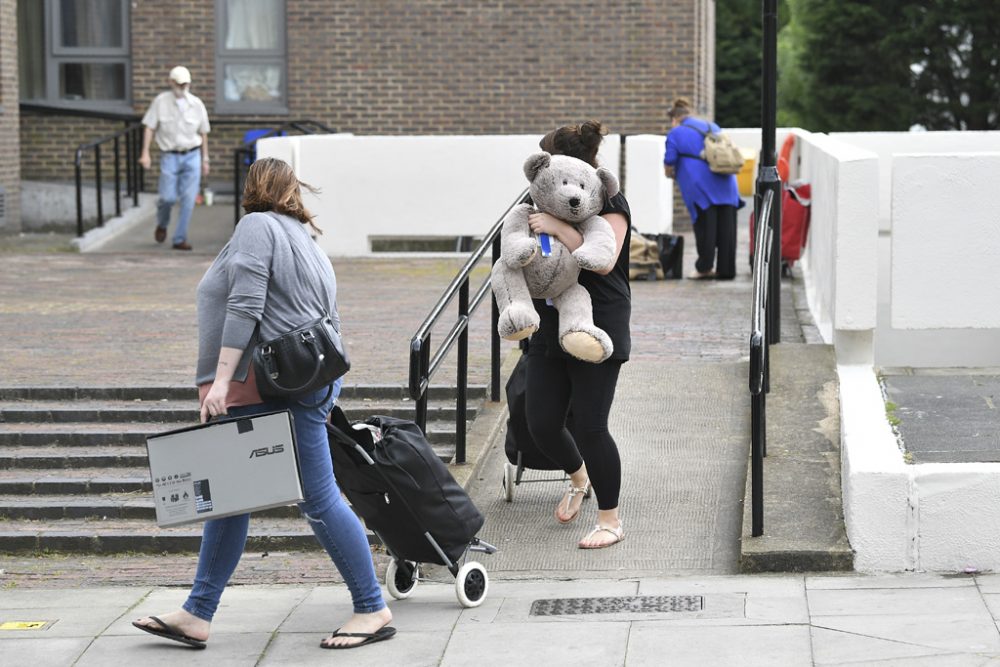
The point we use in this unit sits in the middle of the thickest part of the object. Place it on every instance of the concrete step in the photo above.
(138, 505)
(81, 481)
(89, 434)
(69, 458)
(166, 411)
(190, 393)
(102, 536)
(110, 457)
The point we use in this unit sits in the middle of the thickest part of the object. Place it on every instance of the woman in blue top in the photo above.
(711, 199)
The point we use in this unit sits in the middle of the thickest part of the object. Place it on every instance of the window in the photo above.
(251, 60)
(74, 53)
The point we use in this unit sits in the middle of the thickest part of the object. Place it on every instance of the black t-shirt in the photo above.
(610, 294)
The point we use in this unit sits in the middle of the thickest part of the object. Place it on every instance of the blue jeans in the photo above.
(180, 178)
(336, 526)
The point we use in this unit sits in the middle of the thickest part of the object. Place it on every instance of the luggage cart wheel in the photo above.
(401, 578)
(471, 584)
(509, 476)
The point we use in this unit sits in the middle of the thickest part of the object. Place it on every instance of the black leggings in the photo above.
(716, 229)
(553, 387)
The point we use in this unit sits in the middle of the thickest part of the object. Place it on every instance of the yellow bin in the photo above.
(745, 179)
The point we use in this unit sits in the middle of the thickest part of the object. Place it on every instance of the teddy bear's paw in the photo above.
(517, 322)
(591, 260)
(523, 251)
(585, 346)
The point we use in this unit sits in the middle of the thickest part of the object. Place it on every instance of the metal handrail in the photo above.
(131, 135)
(423, 367)
(760, 360)
(249, 150)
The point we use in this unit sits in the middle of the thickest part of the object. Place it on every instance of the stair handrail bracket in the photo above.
(423, 366)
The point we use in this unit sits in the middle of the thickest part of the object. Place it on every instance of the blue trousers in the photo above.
(180, 179)
(336, 526)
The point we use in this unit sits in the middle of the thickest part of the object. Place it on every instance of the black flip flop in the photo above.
(169, 633)
(385, 632)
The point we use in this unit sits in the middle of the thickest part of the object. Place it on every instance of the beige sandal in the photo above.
(617, 532)
(573, 492)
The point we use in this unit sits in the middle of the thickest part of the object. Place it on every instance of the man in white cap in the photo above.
(179, 122)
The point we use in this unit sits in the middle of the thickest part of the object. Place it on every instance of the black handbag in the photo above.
(300, 361)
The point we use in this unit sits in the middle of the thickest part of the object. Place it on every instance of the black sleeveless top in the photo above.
(610, 294)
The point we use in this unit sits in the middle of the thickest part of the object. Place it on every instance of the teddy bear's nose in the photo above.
(574, 202)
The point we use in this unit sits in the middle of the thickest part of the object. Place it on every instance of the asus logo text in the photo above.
(266, 451)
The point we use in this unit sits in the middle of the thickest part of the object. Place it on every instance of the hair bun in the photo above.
(682, 102)
(592, 127)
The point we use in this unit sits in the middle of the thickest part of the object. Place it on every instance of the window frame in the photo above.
(224, 57)
(56, 55)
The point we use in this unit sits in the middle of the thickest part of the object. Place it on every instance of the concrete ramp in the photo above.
(682, 432)
(803, 504)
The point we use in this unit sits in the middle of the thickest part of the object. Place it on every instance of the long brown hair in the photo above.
(580, 141)
(272, 186)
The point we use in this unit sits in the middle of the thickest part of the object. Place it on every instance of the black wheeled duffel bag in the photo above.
(401, 488)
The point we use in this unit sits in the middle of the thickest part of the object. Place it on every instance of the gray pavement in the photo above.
(125, 316)
(743, 620)
(945, 415)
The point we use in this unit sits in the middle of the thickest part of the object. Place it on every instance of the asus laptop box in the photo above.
(225, 467)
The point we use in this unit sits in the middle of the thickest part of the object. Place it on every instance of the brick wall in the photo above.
(10, 169)
(435, 66)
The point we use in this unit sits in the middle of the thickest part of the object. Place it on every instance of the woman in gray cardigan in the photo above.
(272, 275)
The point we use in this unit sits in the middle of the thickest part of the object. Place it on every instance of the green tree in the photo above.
(854, 64)
(955, 51)
(791, 79)
(738, 55)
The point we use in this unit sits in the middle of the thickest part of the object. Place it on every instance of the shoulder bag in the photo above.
(300, 361)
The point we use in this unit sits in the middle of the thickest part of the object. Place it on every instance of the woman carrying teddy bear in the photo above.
(557, 382)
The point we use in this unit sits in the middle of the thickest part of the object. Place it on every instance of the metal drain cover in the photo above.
(633, 604)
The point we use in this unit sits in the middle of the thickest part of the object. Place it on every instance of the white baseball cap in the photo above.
(180, 74)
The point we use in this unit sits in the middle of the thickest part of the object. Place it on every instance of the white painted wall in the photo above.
(935, 517)
(412, 186)
(875, 480)
(650, 193)
(840, 258)
(945, 241)
(887, 144)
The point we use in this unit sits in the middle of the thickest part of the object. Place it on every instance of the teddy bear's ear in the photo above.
(535, 164)
(609, 181)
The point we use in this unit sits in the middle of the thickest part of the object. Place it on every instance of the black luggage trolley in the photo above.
(407, 497)
(519, 447)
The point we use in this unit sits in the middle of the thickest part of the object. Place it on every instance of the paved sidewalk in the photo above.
(760, 620)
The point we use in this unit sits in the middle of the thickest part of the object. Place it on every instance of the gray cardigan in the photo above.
(271, 272)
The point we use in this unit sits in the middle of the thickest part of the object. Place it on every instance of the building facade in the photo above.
(359, 66)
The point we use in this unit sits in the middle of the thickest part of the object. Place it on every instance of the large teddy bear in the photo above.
(573, 191)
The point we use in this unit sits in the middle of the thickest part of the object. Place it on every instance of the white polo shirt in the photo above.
(177, 123)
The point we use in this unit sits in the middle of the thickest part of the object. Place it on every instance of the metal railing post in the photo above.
(79, 192)
(128, 160)
(494, 333)
(136, 147)
(236, 186)
(424, 362)
(100, 186)
(463, 373)
(118, 183)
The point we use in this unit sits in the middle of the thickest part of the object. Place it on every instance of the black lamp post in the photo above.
(767, 172)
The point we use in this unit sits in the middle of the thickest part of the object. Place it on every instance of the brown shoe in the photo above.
(160, 234)
(183, 245)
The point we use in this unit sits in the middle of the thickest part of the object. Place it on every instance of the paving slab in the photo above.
(947, 416)
(660, 643)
